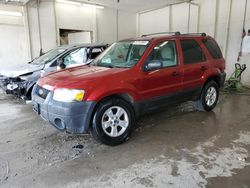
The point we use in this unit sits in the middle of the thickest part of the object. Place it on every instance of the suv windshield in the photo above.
(122, 54)
(50, 55)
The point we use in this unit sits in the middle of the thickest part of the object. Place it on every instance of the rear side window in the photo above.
(213, 48)
(192, 52)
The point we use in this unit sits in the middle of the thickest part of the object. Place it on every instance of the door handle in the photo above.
(176, 73)
(203, 68)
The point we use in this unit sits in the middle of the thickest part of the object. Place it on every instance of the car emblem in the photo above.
(40, 92)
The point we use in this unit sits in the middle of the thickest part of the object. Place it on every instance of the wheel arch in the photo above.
(215, 78)
(124, 96)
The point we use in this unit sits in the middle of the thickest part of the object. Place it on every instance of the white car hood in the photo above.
(18, 70)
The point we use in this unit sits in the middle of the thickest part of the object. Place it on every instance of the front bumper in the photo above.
(13, 87)
(72, 117)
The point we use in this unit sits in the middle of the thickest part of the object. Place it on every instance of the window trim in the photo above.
(176, 50)
(192, 39)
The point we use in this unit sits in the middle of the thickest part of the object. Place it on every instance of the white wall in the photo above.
(13, 38)
(126, 25)
(44, 21)
(206, 21)
(76, 18)
(46, 36)
(179, 17)
(47, 25)
(231, 48)
(106, 25)
(154, 21)
(113, 25)
(170, 18)
(14, 49)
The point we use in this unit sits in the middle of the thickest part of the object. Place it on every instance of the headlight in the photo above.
(68, 95)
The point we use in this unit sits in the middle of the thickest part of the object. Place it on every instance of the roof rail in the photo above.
(201, 34)
(161, 33)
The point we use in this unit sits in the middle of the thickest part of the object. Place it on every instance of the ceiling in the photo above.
(127, 5)
(14, 2)
(134, 5)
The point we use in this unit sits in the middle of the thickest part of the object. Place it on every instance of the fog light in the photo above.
(59, 124)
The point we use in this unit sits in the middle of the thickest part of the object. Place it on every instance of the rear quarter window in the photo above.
(213, 48)
(192, 52)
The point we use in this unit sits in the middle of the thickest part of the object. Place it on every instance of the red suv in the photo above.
(129, 78)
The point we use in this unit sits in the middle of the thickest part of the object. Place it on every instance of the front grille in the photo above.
(41, 92)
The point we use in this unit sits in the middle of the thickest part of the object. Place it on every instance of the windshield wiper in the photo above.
(106, 65)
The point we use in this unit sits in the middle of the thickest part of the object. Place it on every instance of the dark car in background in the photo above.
(20, 79)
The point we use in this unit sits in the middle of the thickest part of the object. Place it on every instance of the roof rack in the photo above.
(161, 33)
(201, 34)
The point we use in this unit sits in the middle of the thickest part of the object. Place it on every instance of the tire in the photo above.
(209, 97)
(111, 128)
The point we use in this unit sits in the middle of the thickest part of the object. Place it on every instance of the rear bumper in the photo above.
(222, 79)
(72, 117)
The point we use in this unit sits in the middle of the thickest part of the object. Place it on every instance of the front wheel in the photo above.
(209, 97)
(113, 122)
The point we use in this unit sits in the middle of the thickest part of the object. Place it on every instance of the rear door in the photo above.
(164, 84)
(195, 65)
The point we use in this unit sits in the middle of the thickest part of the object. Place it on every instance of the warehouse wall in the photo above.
(154, 21)
(170, 18)
(76, 18)
(13, 38)
(42, 26)
(39, 27)
(113, 25)
(212, 19)
(219, 28)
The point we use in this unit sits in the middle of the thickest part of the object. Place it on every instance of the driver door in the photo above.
(164, 84)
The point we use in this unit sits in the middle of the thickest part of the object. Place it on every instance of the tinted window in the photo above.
(192, 52)
(213, 48)
(165, 52)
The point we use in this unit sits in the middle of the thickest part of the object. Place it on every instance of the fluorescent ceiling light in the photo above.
(10, 13)
(93, 6)
(69, 2)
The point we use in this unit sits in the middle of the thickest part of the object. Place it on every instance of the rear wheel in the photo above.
(209, 97)
(113, 122)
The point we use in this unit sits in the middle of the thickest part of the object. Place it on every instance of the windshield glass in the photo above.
(122, 54)
(50, 55)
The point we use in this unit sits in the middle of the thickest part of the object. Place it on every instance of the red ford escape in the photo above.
(129, 78)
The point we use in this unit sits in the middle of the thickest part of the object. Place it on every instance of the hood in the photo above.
(77, 75)
(18, 70)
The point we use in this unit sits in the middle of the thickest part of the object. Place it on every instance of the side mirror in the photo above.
(60, 63)
(153, 65)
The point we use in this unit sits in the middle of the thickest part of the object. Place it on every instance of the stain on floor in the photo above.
(174, 147)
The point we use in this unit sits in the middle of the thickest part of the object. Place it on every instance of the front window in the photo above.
(47, 57)
(122, 54)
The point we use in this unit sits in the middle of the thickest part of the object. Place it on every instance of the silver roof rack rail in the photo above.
(162, 33)
(200, 34)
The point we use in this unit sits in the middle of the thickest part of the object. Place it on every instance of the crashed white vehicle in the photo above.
(20, 79)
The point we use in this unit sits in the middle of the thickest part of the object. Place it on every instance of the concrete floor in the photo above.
(178, 147)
